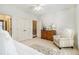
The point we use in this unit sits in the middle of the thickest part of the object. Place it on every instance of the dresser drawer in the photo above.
(47, 34)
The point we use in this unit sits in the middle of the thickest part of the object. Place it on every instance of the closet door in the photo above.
(24, 30)
(27, 31)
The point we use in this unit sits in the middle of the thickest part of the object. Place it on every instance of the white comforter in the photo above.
(8, 46)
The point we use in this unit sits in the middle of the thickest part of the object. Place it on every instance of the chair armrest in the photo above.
(57, 36)
(64, 39)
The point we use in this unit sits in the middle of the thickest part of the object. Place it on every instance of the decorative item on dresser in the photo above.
(48, 34)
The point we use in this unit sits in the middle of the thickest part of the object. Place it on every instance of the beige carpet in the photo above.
(45, 50)
(48, 48)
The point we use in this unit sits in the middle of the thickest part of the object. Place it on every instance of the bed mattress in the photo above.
(8, 46)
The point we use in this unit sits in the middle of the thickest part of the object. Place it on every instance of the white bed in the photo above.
(8, 46)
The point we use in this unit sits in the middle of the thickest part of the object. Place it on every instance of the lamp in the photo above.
(53, 26)
(38, 7)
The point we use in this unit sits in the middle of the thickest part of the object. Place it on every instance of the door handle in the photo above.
(25, 30)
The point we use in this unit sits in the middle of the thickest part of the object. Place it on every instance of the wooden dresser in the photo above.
(48, 34)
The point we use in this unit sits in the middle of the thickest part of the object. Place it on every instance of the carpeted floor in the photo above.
(48, 48)
(45, 50)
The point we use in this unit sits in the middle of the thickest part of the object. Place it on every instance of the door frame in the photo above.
(34, 21)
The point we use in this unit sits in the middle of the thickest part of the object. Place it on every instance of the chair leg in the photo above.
(59, 47)
(72, 47)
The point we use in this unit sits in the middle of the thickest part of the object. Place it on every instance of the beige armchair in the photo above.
(66, 39)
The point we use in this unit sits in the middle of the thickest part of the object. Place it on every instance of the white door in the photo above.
(24, 30)
(27, 31)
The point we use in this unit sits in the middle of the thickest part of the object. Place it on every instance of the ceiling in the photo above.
(47, 8)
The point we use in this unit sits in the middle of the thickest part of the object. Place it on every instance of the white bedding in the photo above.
(8, 46)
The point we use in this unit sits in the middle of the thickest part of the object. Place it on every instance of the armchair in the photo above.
(66, 39)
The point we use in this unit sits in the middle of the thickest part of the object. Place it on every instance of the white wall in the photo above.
(63, 19)
(77, 23)
(18, 16)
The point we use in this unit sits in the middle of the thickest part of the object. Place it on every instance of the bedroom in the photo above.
(61, 16)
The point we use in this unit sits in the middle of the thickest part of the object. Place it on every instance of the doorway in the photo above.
(1, 25)
(34, 23)
(6, 23)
